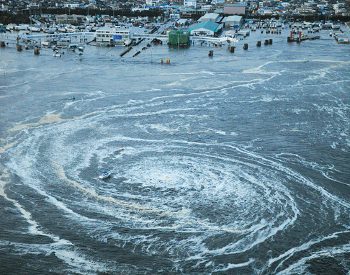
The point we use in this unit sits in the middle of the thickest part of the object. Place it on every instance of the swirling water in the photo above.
(235, 164)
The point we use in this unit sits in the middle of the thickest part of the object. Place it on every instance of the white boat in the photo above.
(104, 175)
(127, 42)
(45, 44)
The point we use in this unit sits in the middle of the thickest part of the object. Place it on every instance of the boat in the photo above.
(342, 40)
(127, 42)
(72, 47)
(104, 175)
(56, 53)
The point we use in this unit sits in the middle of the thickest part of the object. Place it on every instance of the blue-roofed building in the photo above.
(208, 28)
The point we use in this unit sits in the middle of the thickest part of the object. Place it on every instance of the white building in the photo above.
(71, 5)
(213, 17)
(190, 3)
(112, 36)
(217, 2)
(152, 2)
(206, 7)
(3, 7)
(232, 21)
(265, 11)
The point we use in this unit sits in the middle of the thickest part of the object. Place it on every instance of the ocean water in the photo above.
(236, 164)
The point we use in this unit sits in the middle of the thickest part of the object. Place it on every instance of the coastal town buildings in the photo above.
(64, 11)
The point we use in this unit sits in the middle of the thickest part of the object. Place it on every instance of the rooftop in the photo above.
(209, 25)
(234, 18)
(210, 16)
(241, 4)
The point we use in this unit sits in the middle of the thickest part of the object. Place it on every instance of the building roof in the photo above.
(233, 18)
(182, 21)
(180, 32)
(105, 29)
(240, 4)
(112, 30)
(209, 25)
(209, 16)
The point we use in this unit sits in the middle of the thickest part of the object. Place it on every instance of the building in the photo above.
(208, 28)
(4, 7)
(71, 5)
(69, 19)
(191, 12)
(235, 9)
(111, 36)
(213, 17)
(265, 11)
(179, 38)
(217, 2)
(233, 21)
(190, 3)
(2, 28)
(152, 2)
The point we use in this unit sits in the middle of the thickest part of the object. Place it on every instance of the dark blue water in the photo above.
(235, 164)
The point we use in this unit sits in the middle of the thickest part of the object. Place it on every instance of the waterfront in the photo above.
(234, 164)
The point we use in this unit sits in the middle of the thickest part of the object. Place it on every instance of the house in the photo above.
(208, 28)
